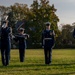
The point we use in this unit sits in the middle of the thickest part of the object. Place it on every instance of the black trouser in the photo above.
(48, 55)
(21, 54)
(5, 55)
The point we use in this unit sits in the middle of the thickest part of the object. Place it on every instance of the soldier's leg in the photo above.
(46, 56)
(50, 55)
(7, 56)
(21, 53)
(3, 56)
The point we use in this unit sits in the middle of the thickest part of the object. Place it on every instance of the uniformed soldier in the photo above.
(21, 38)
(5, 43)
(74, 33)
(48, 43)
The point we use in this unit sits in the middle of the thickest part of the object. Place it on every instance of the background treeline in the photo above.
(34, 18)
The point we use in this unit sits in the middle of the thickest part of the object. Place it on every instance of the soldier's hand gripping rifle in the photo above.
(19, 29)
(5, 23)
(25, 36)
(4, 19)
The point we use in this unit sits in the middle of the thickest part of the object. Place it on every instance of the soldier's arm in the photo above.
(53, 39)
(26, 36)
(74, 33)
(16, 38)
(53, 33)
(10, 32)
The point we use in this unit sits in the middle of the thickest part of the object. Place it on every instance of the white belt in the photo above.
(47, 38)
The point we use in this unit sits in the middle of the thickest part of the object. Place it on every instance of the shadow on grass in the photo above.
(37, 64)
(63, 73)
(40, 64)
(35, 67)
(65, 64)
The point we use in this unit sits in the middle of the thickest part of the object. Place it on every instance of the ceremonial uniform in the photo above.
(48, 42)
(21, 38)
(74, 33)
(5, 45)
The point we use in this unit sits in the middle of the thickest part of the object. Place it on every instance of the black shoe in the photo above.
(4, 65)
(47, 63)
(21, 61)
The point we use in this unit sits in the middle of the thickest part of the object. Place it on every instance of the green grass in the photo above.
(63, 63)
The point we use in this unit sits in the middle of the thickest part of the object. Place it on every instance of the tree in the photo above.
(3, 10)
(67, 40)
(66, 33)
(35, 16)
(18, 12)
(41, 13)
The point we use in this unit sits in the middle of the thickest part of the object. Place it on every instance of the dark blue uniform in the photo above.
(22, 45)
(74, 33)
(5, 45)
(0, 37)
(48, 42)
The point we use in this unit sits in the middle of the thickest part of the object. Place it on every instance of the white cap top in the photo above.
(47, 23)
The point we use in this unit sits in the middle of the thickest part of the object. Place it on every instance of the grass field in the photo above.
(63, 63)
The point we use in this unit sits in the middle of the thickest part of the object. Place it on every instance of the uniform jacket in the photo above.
(48, 38)
(5, 37)
(21, 40)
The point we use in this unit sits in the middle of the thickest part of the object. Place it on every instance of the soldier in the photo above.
(21, 38)
(74, 33)
(5, 43)
(48, 43)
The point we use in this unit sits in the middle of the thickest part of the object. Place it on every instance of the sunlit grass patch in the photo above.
(63, 63)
